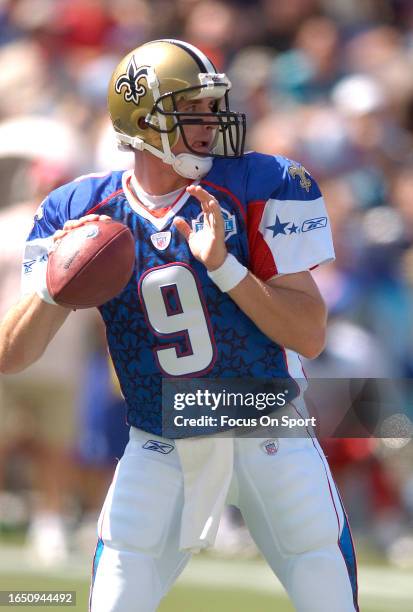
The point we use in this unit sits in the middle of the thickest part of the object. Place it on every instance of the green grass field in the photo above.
(207, 585)
(181, 598)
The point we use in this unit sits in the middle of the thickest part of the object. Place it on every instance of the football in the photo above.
(91, 264)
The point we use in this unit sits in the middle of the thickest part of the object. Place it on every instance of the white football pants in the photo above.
(288, 500)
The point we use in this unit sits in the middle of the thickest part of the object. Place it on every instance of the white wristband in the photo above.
(229, 274)
(41, 282)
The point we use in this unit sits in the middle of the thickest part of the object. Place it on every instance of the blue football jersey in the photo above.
(171, 320)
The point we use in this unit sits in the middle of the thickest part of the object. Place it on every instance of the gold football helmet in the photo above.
(143, 101)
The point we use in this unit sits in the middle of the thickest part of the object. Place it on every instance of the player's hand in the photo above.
(207, 245)
(72, 223)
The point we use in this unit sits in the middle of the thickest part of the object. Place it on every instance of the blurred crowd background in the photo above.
(325, 82)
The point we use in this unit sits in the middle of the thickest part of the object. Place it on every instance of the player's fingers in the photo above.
(183, 227)
(216, 209)
(62, 232)
(205, 208)
(216, 214)
(195, 190)
(59, 234)
(208, 203)
(72, 223)
(93, 217)
(200, 193)
(88, 218)
(208, 215)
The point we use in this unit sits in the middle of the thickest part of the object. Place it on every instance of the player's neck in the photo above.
(155, 177)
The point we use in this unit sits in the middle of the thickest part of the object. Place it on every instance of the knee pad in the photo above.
(297, 497)
(303, 520)
(141, 505)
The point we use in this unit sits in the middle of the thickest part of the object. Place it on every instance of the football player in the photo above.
(225, 241)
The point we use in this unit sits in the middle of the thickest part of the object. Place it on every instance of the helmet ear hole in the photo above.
(142, 123)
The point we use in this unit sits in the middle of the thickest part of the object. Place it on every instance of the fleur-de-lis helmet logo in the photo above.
(129, 82)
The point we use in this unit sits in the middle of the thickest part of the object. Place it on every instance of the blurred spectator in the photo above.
(250, 74)
(402, 199)
(210, 27)
(274, 134)
(132, 23)
(281, 21)
(307, 72)
(354, 14)
(82, 25)
(373, 129)
(24, 86)
(37, 406)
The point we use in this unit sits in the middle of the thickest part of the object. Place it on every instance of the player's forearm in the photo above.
(25, 332)
(290, 317)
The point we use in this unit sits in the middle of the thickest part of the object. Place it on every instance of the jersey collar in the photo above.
(159, 217)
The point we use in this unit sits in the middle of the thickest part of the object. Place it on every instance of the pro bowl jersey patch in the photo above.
(230, 223)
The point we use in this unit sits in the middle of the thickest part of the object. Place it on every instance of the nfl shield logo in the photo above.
(161, 240)
(270, 446)
(230, 223)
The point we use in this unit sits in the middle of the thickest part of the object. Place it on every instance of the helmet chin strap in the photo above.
(187, 165)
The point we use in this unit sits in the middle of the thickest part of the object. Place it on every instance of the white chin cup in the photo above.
(192, 166)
